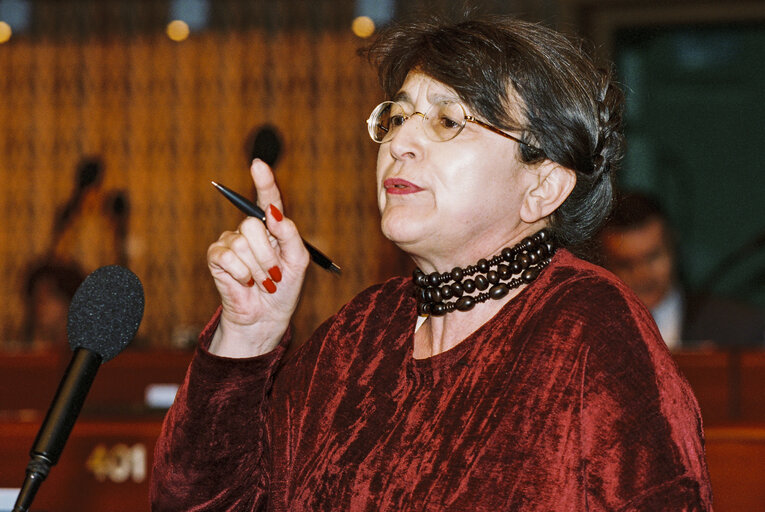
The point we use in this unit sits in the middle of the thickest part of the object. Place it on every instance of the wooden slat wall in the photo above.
(166, 118)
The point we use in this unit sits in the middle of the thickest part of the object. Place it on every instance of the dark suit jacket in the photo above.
(720, 322)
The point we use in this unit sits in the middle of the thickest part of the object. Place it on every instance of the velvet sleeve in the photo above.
(212, 453)
(641, 426)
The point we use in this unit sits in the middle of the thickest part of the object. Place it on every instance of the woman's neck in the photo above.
(459, 301)
(468, 254)
(439, 334)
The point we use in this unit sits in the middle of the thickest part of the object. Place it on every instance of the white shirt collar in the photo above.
(668, 315)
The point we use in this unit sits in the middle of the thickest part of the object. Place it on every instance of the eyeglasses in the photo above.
(443, 121)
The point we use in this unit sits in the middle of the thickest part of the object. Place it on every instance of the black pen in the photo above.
(251, 209)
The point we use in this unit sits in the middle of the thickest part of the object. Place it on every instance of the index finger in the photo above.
(265, 185)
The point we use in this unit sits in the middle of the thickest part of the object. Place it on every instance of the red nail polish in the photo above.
(269, 286)
(275, 273)
(251, 282)
(276, 213)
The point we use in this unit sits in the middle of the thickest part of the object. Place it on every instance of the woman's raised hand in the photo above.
(258, 271)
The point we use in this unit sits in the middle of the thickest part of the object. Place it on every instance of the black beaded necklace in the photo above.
(524, 260)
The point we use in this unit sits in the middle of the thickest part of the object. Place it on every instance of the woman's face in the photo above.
(448, 203)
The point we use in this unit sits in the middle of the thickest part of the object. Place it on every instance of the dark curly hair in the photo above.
(569, 108)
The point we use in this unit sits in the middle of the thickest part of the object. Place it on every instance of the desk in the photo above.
(753, 386)
(106, 463)
(713, 379)
(29, 381)
(736, 461)
(105, 466)
(729, 385)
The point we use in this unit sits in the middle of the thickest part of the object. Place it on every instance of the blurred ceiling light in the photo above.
(363, 26)
(5, 32)
(177, 30)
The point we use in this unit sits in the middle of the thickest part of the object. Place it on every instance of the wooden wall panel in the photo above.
(166, 118)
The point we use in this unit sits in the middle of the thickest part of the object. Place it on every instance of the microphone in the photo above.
(104, 316)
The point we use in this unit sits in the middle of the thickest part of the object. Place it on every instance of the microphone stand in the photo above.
(58, 423)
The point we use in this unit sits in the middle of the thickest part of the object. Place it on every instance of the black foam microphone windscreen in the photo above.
(106, 311)
(104, 316)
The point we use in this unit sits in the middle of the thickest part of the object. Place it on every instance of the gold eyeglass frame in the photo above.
(372, 126)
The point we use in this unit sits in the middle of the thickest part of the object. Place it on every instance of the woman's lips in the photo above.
(399, 186)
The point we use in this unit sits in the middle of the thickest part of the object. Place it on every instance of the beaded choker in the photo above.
(515, 266)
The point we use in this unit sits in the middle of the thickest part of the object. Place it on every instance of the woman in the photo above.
(535, 382)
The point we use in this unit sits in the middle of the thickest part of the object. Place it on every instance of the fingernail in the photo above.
(275, 273)
(276, 213)
(251, 282)
(269, 286)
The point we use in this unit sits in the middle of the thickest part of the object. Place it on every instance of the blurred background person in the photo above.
(638, 245)
(91, 217)
(48, 290)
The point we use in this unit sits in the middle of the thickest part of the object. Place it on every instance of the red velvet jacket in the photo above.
(567, 400)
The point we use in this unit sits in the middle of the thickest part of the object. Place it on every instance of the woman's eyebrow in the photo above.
(443, 97)
(401, 96)
(433, 98)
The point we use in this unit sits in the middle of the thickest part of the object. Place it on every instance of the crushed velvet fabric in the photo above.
(567, 400)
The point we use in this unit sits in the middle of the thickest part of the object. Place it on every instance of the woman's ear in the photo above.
(551, 184)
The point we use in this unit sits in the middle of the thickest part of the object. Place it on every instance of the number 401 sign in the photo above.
(118, 463)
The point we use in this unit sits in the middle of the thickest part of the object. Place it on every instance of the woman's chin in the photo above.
(402, 233)
(398, 238)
